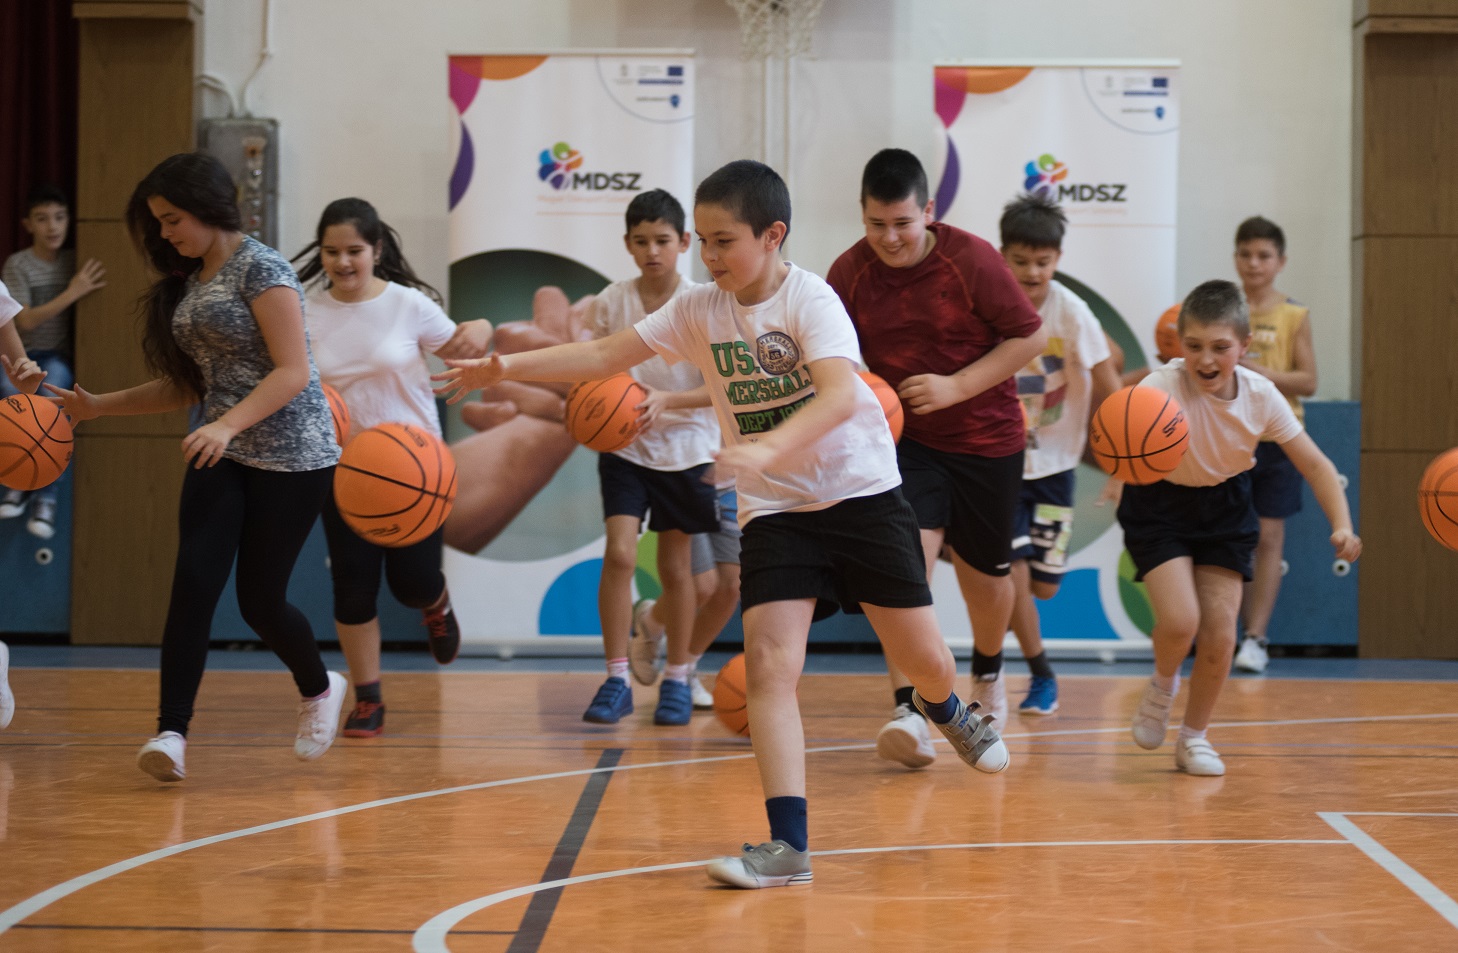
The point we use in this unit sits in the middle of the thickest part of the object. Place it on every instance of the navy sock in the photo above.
(1039, 666)
(903, 697)
(788, 821)
(985, 664)
(943, 711)
(368, 693)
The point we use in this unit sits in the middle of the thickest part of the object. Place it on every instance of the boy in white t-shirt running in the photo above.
(662, 475)
(1057, 388)
(1193, 535)
(824, 523)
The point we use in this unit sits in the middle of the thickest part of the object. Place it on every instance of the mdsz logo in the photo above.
(559, 169)
(1048, 177)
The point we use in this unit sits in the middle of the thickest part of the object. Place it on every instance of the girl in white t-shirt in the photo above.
(25, 375)
(371, 322)
(1192, 536)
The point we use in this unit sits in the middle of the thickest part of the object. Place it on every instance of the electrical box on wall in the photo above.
(249, 150)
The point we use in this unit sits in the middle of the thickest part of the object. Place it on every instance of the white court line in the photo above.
(1426, 890)
(31, 905)
(431, 937)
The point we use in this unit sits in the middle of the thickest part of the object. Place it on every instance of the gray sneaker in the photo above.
(775, 864)
(1151, 718)
(972, 736)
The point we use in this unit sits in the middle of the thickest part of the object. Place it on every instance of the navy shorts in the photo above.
(672, 499)
(1213, 525)
(1042, 525)
(865, 549)
(1275, 483)
(972, 498)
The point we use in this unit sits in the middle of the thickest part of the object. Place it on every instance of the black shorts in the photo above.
(865, 549)
(973, 498)
(672, 499)
(1042, 524)
(1275, 483)
(1214, 525)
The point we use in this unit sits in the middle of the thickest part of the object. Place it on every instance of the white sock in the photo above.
(1189, 734)
(618, 668)
(1170, 684)
(693, 665)
(677, 673)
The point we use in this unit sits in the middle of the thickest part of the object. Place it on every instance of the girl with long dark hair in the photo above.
(224, 329)
(371, 322)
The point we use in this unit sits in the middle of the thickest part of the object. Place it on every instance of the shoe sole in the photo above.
(989, 763)
(1038, 711)
(159, 766)
(726, 876)
(1201, 774)
(362, 732)
(606, 721)
(899, 746)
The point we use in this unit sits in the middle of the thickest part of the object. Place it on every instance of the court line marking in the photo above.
(1426, 890)
(431, 937)
(33, 904)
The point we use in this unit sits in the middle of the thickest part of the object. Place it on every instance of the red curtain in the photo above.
(38, 107)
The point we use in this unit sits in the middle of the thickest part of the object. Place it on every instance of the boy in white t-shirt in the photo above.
(662, 475)
(1192, 535)
(1057, 388)
(815, 467)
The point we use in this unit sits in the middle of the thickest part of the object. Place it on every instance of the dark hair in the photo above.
(46, 194)
(198, 184)
(655, 206)
(1034, 220)
(893, 175)
(1256, 227)
(390, 265)
(1216, 302)
(751, 191)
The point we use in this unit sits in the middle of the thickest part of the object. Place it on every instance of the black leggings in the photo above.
(263, 518)
(413, 571)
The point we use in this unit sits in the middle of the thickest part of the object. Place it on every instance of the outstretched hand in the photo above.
(25, 375)
(78, 404)
(462, 377)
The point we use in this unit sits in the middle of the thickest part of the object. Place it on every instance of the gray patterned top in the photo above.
(214, 324)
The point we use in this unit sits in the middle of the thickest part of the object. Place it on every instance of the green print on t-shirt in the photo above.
(733, 358)
(759, 421)
(767, 389)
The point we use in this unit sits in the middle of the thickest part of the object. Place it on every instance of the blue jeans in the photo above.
(58, 373)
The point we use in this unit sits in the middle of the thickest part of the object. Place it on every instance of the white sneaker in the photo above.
(162, 757)
(906, 739)
(319, 719)
(703, 698)
(7, 700)
(42, 523)
(12, 504)
(645, 648)
(990, 692)
(1252, 655)
(1151, 718)
(1195, 756)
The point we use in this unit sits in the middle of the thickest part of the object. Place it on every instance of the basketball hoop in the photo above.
(776, 27)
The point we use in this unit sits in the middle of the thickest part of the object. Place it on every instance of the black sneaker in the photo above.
(366, 721)
(445, 633)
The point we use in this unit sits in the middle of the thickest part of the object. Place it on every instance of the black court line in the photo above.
(175, 929)
(544, 902)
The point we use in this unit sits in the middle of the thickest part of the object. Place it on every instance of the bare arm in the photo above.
(834, 403)
(471, 340)
(88, 279)
(1300, 381)
(1326, 485)
(925, 393)
(1105, 381)
(578, 361)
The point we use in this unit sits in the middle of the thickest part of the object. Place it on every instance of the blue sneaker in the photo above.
(1042, 697)
(612, 701)
(675, 703)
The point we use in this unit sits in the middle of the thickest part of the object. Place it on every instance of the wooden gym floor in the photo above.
(490, 818)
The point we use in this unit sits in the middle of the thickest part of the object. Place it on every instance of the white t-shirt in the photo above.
(9, 307)
(681, 438)
(1055, 386)
(373, 353)
(755, 361)
(1224, 433)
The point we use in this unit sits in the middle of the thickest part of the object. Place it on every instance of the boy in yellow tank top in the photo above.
(1281, 350)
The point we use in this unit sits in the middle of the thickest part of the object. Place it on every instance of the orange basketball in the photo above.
(1438, 499)
(1138, 434)
(1167, 334)
(35, 442)
(890, 402)
(603, 415)
(395, 484)
(340, 412)
(730, 702)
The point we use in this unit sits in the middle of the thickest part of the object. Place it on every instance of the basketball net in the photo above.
(776, 27)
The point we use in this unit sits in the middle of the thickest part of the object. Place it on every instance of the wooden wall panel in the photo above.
(1362, 9)
(1409, 307)
(125, 541)
(1408, 590)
